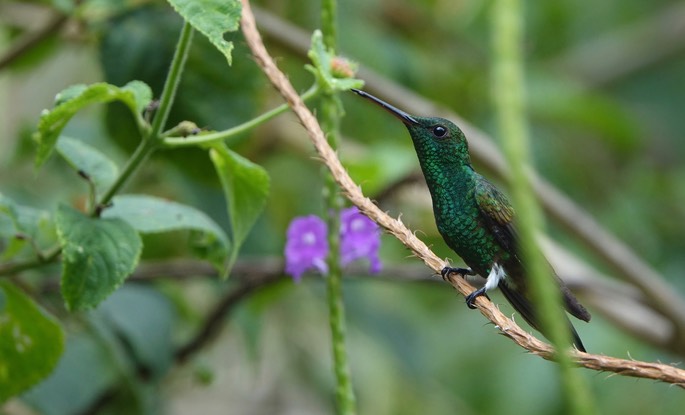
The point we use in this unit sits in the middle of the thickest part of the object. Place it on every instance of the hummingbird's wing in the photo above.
(498, 214)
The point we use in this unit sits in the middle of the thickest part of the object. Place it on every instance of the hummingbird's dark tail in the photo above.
(525, 307)
(576, 338)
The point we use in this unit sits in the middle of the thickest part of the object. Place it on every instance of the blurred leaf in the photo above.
(9, 224)
(212, 18)
(560, 101)
(97, 256)
(149, 214)
(32, 342)
(100, 169)
(84, 373)
(136, 95)
(143, 318)
(24, 221)
(203, 373)
(379, 166)
(246, 188)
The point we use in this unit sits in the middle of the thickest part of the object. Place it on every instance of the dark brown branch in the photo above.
(29, 40)
(215, 320)
(253, 275)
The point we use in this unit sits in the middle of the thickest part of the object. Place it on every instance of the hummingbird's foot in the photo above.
(471, 298)
(461, 271)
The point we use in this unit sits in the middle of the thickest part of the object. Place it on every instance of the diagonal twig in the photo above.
(395, 227)
(620, 257)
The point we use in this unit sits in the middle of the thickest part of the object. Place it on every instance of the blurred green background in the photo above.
(606, 104)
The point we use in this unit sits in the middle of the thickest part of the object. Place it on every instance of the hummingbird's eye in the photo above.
(439, 131)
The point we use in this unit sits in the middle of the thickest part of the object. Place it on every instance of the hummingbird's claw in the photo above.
(461, 271)
(471, 298)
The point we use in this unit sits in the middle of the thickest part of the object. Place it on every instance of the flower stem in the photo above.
(141, 153)
(176, 142)
(330, 113)
(344, 391)
(152, 141)
(172, 81)
(16, 267)
(508, 95)
(329, 9)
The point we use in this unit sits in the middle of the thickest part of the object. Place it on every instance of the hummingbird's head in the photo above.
(434, 138)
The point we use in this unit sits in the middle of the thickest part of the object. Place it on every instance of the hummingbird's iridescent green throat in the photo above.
(475, 218)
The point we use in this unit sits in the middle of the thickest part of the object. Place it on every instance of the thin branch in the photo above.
(214, 321)
(614, 56)
(389, 191)
(252, 275)
(263, 267)
(395, 227)
(618, 302)
(29, 40)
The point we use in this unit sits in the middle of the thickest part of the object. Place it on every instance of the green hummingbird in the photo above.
(475, 219)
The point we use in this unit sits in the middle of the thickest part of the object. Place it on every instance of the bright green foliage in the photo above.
(100, 169)
(97, 255)
(31, 342)
(136, 95)
(212, 18)
(246, 188)
(148, 214)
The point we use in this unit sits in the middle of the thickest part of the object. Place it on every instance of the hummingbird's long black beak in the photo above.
(403, 116)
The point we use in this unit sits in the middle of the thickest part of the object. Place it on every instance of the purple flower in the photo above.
(360, 238)
(306, 246)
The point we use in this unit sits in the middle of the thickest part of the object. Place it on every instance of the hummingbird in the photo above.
(474, 218)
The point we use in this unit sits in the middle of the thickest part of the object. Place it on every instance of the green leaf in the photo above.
(144, 319)
(9, 218)
(32, 342)
(563, 102)
(246, 188)
(212, 18)
(136, 95)
(32, 224)
(97, 256)
(149, 214)
(100, 169)
(86, 371)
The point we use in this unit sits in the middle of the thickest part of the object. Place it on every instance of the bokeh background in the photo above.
(606, 101)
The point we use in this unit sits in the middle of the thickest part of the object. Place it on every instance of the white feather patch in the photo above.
(497, 274)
